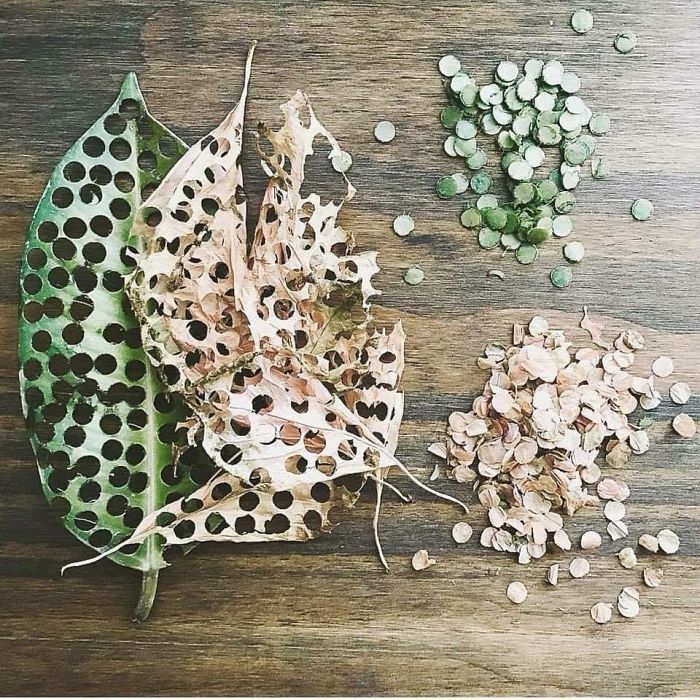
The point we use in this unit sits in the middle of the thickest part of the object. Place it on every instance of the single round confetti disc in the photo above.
(449, 66)
(561, 276)
(403, 225)
(384, 132)
(625, 42)
(642, 209)
(414, 275)
(341, 162)
(582, 21)
(574, 251)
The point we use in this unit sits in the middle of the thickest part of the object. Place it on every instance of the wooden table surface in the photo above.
(323, 618)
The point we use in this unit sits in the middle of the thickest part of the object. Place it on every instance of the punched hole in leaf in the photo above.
(100, 538)
(221, 491)
(85, 520)
(101, 225)
(74, 227)
(282, 499)
(314, 441)
(88, 466)
(90, 194)
(132, 517)
(119, 476)
(124, 182)
(74, 171)
(117, 505)
(90, 491)
(32, 312)
(147, 161)
(138, 482)
(47, 231)
(36, 258)
(321, 492)
(100, 174)
(120, 148)
(64, 248)
(277, 524)
(312, 520)
(58, 277)
(167, 146)
(114, 124)
(82, 413)
(41, 341)
(81, 308)
(147, 190)
(296, 464)
(120, 208)
(93, 146)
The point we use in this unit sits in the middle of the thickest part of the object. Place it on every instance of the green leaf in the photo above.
(102, 426)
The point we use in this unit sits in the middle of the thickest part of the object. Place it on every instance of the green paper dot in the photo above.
(446, 187)
(561, 276)
(449, 116)
(582, 21)
(625, 42)
(574, 252)
(524, 192)
(538, 235)
(642, 209)
(599, 124)
(477, 160)
(480, 183)
(495, 218)
(547, 190)
(526, 254)
(470, 218)
(488, 238)
(414, 275)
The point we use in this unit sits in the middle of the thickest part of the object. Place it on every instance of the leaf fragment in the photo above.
(516, 592)
(462, 532)
(595, 330)
(422, 560)
(601, 613)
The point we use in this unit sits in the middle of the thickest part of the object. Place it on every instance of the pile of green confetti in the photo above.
(528, 112)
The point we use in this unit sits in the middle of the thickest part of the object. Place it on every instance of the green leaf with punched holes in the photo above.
(102, 426)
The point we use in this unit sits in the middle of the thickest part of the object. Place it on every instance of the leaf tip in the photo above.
(130, 87)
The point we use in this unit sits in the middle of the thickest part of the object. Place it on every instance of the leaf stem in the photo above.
(149, 584)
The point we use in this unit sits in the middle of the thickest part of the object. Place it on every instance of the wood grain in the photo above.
(322, 618)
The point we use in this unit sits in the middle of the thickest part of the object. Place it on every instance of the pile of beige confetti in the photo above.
(529, 445)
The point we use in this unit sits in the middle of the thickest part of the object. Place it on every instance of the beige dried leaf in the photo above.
(590, 540)
(422, 560)
(684, 425)
(579, 567)
(669, 542)
(291, 394)
(462, 532)
(516, 592)
(652, 577)
(601, 613)
(649, 542)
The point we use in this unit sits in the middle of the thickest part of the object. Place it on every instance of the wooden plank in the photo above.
(321, 618)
